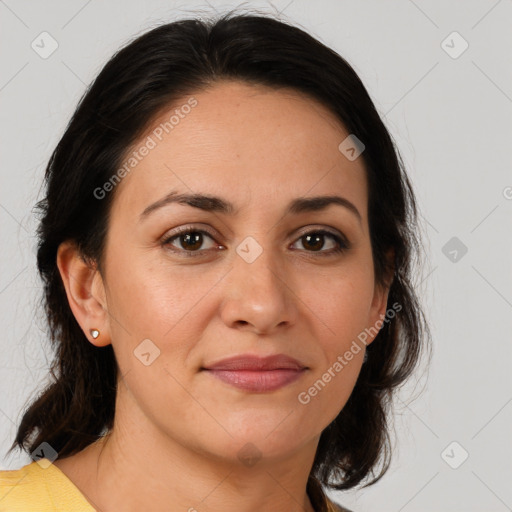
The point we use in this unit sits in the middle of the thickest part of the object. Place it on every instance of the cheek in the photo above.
(153, 297)
(345, 312)
(166, 304)
(340, 309)
(342, 304)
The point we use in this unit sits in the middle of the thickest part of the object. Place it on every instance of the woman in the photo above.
(226, 246)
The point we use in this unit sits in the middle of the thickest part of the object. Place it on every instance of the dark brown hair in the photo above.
(143, 78)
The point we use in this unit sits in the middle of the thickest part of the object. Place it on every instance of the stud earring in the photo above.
(94, 333)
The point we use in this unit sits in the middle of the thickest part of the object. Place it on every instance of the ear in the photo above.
(380, 298)
(85, 291)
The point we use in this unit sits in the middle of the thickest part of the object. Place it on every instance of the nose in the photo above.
(259, 296)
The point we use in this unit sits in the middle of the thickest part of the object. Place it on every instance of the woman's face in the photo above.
(252, 281)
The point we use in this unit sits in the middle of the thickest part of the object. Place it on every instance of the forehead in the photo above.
(249, 143)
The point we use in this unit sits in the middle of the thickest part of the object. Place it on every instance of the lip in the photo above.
(257, 374)
(257, 363)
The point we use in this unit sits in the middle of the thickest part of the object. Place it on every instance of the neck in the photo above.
(138, 465)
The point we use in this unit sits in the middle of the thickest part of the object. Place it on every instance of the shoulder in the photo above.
(22, 489)
(39, 487)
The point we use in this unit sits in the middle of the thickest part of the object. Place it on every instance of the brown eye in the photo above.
(191, 241)
(188, 241)
(314, 241)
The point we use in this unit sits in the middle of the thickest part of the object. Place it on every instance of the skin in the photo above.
(178, 431)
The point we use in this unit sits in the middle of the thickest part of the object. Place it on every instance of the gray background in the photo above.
(451, 118)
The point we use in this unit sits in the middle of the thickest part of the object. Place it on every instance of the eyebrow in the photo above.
(215, 204)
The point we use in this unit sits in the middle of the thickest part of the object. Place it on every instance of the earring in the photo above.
(365, 358)
(94, 333)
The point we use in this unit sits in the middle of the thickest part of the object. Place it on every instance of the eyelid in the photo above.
(301, 232)
(341, 241)
(167, 238)
(316, 227)
(189, 228)
(337, 236)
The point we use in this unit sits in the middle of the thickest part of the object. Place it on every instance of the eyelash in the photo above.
(342, 244)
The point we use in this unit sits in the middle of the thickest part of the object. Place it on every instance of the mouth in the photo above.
(257, 374)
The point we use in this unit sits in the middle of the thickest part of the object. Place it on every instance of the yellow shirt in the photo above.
(35, 488)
